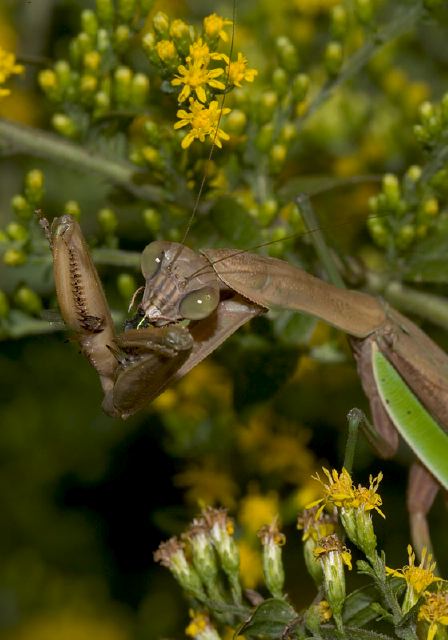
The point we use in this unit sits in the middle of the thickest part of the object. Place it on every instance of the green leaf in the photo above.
(269, 620)
(357, 606)
(425, 437)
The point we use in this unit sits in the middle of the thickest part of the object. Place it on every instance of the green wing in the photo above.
(425, 437)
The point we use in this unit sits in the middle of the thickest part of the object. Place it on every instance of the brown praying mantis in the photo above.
(192, 302)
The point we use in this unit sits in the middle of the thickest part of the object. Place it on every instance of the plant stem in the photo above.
(355, 418)
(41, 144)
(318, 240)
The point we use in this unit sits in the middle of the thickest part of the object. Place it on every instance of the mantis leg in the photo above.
(422, 490)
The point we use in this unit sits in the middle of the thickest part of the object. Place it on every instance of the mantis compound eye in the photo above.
(199, 304)
(152, 258)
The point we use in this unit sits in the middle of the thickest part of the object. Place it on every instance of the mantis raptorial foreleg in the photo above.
(193, 301)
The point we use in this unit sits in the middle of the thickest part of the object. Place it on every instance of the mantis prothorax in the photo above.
(192, 302)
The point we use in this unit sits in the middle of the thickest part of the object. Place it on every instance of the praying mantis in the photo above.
(192, 302)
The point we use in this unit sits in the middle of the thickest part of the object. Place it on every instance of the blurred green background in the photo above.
(86, 499)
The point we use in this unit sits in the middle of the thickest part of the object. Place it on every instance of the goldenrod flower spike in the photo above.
(8, 67)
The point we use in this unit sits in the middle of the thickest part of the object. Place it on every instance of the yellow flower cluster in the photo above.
(8, 67)
(434, 611)
(199, 81)
(341, 492)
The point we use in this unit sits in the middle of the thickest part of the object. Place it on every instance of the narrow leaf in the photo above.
(425, 437)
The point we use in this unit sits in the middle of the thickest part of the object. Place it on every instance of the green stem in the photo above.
(397, 26)
(426, 305)
(41, 144)
(318, 240)
(355, 418)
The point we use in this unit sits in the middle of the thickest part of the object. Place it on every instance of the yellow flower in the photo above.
(194, 78)
(214, 26)
(206, 484)
(315, 526)
(251, 569)
(199, 622)
(204, 121)
(8, 67)
(435, 611)
(237, 71)
(200, 627)
(341, 492)
(166, 50)
(257, 509)
(325, 612)
(418, 578)
(179, 29)
(200, 53)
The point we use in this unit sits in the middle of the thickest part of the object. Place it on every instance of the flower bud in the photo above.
(122, 37)
(28, 300)
(280, 80)
(166, 50)
(126, 285)
(333, 58)
(64, 125)
(405, 236)
(64, 74)
(339, 21)
(127, 9)
(414, 173)
(152, 220)
(21, 207)
(89, 23)
(105, 11)
(268, 103)
(92, 61)
(430, 207)
(48, 82)
(72, 208)
(277, 156)
(263, 141)
(287, 54)
(122, 84)
(151, 156)
(236, 122)
(391, 190)
(34, 186)
(108, 221)
(161, 24)
(139, 90)
(204, 557)
(364, 10)
(103, 43)
(14, 257)
(17, 232)
(221, 532)
(300, 86)
(333, 555)
(171, 554)
(272, 540)
(102, 103)
(87, 87)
